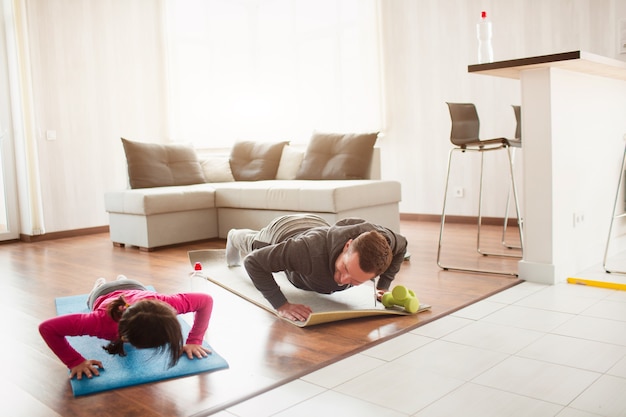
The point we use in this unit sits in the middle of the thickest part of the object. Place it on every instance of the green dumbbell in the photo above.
(403, 297)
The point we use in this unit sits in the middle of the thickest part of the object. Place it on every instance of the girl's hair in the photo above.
(146, 324)
(374, 252)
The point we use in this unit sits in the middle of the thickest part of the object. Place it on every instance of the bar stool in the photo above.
(464, 135)
(615, 215)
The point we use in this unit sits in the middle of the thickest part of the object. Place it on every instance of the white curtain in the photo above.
(272, 69)
(24, 131)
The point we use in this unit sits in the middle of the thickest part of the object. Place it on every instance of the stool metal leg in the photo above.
(520, 220)
(505, 225)
(506, 213)
(614, 216)
(443, 213)
(511, 155)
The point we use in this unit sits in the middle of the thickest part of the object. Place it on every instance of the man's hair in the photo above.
(374, 252)
(146, 324)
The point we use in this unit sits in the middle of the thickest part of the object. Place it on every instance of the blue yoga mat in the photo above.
(139, 366)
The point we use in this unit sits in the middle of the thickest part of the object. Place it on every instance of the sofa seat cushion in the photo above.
(147, 201)
(329, 196)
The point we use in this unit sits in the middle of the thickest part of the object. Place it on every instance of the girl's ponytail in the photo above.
(116, 308)
(115, 347)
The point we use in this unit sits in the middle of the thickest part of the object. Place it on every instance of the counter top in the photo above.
(578, 61)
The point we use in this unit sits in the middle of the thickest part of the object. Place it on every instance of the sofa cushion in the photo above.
(156, 165)
(289, 164)
(217, 169)
(306, 196)
(336, 156)
(255, 161)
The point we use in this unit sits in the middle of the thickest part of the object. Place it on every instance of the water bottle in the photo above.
(197, 271)
(483, 32)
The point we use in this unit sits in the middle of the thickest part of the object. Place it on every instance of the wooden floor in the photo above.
(262, 350)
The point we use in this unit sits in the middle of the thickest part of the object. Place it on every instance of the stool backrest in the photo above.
(465, 123)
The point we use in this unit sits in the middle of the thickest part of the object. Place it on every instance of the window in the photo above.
(272, 69)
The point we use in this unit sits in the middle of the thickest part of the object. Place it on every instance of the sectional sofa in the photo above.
(177, 194)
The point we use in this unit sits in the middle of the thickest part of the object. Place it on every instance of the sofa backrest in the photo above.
(216, 167)
(292, 158)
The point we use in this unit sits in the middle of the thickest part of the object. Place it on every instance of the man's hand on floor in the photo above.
(297, 312)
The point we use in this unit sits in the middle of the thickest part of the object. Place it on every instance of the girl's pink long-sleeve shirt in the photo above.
(97, 322)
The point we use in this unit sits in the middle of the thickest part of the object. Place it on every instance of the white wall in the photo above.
(99, 74)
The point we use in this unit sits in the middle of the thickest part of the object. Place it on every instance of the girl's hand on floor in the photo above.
(198, 351)
(89, 368)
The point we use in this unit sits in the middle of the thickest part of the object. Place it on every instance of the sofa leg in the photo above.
(141, 248)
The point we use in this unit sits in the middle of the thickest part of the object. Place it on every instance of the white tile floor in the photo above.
(532, 350)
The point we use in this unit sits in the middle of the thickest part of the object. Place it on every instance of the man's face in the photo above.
(347, 270)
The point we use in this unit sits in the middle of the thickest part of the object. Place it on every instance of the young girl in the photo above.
(126, 311)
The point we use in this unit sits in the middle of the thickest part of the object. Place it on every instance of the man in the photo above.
(316, 256)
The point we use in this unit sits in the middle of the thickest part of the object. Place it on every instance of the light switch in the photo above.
(51, 134)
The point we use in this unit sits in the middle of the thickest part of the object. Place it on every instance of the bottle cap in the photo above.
(197, 266)
(483, 14)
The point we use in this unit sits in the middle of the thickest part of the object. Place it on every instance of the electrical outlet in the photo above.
(459, 192)
(579, 218)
